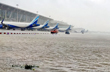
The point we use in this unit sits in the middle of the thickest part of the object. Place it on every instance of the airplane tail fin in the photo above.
(69, 28)
(34, 22)
(46, 23)
(3, 25)
(83, 31)
(2, 21)
(56, 27)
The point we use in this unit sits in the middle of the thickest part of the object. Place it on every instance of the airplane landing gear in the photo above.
(7, 28)
(13, 29)
(22, 29)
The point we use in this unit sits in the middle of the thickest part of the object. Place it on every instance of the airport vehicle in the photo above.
(64, 29)
(21, 25)
(45, 25)
(53, 28)
(54, 31)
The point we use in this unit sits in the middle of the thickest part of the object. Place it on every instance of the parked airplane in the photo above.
(45, 25)
(83, 31)
(64, 29)
(22, 25)
(53, 28)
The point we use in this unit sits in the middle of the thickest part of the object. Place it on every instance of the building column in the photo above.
(10, 14)
(5, 14)
(20, 17)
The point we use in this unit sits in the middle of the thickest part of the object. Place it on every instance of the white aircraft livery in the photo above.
(22, 25)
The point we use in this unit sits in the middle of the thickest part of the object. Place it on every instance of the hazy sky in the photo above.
(89, 14)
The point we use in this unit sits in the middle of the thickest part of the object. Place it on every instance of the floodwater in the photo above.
(56, 53)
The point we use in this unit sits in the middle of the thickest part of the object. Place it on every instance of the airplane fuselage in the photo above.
(50, 28)
(39, 27)
(18, 24)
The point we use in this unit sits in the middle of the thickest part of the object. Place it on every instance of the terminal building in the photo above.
(18, 15)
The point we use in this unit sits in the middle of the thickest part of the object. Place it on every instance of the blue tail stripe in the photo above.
(56, 27)
(69, 27)
(35, 20)
(2, 21)
(46, 24)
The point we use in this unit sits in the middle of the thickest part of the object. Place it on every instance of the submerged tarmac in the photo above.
(56, 53)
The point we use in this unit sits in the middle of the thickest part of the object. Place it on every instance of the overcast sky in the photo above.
(89, 14)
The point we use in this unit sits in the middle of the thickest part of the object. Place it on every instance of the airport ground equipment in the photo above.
(54, 31)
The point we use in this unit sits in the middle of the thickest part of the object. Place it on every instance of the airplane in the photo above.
(64, 29)
(45, 25)
(22, 25)
(53, 28)
(83, 31)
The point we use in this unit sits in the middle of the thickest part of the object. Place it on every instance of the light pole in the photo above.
(37, 13)
(17, 11)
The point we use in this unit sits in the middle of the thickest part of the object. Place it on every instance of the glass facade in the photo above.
(2, 13)
(17, 15)
(14, 14)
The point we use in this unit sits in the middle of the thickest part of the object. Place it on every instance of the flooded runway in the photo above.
(56, 53)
